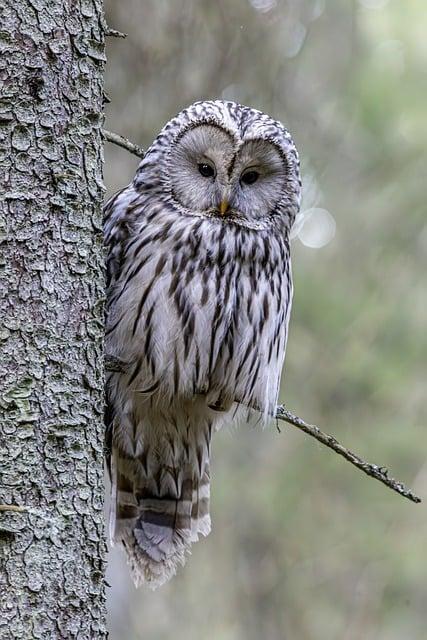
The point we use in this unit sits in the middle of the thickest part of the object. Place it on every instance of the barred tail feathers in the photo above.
(158, 515)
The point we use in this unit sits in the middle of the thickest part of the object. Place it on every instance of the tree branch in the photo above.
(372, 470)
(120, 141)
(114, 33)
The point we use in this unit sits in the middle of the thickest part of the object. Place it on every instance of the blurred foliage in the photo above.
(303, 546)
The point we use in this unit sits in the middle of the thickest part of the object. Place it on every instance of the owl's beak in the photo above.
(223, 199)
(223, 207)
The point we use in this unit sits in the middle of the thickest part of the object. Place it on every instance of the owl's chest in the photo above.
(195, 305)
(204, 271)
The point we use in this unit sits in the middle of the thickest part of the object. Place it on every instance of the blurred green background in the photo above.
(303, 546)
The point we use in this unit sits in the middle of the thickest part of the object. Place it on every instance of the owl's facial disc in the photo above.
(212, 173)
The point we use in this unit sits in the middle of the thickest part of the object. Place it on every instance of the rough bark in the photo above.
(52, 550)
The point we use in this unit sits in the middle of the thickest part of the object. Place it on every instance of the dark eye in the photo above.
(250, 177)
(206, 170)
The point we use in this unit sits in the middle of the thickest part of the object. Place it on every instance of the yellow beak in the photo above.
(223, 207)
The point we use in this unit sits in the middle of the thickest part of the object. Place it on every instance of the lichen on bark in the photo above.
(52, 551)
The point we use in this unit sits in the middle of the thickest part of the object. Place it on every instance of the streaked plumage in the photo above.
(199, 297)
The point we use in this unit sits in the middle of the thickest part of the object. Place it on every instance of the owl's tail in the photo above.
(158, 513)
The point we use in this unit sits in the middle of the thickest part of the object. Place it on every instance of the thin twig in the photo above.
(379, 473)
(12, 507)
(114, 33)
(373, 470)
(120, 141)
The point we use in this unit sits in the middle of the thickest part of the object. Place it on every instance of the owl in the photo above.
(198, 302)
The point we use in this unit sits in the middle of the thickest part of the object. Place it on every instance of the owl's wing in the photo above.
(117, 223)
(117, 220)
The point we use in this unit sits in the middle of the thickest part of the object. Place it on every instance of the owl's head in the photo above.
(230, 163)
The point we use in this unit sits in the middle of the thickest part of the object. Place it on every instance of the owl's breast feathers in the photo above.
(197, 306)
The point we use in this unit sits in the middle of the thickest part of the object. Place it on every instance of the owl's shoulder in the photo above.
(116, 209)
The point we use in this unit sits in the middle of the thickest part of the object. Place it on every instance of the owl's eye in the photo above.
(250, 177)
(206, 170)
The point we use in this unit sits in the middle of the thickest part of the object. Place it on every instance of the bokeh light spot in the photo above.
(315, 227)
(263, 5)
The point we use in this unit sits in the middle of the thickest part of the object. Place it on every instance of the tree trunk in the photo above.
(52, 549)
